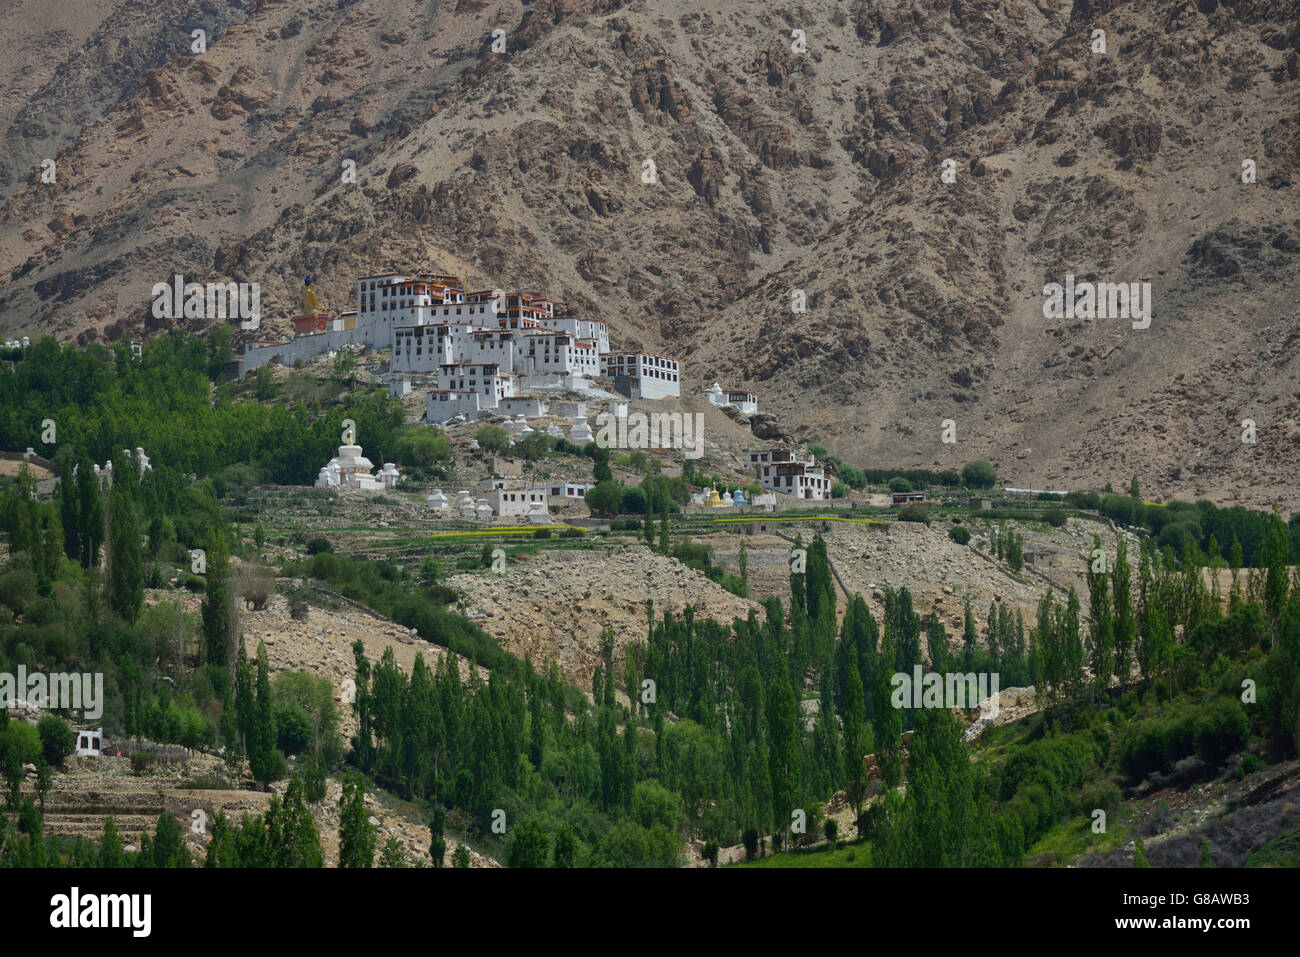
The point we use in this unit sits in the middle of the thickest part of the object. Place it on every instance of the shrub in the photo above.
(17, 588)
(318, 546)
(839, 490)
(195, 584)
(1221, 730)
(571, 533)
(606, 498)
(914, 513)
(633, 501)
(978, 474)
(541, 533)
(1250, 763)
(492, 438)
(57, 739)
(959, 534)
(293, 727)
(20, 737)
(1054, 517)
(899, 484)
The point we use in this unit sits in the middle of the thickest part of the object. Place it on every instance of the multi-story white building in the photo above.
(642, 375)
(791, 472)
(552, 353)
(589, 329)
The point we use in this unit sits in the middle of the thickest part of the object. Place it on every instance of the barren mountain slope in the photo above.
(773, 171)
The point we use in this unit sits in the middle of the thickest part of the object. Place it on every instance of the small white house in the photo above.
(90, 744)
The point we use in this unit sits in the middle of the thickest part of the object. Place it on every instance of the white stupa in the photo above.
(580, 434)
(351, 469)
(483, 511)
(554, 431)
(437, 501)
(473, 444)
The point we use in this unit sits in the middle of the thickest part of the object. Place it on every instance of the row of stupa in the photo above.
(713, 499)
(519, 429)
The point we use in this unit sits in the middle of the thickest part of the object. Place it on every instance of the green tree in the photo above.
(888, 720)
(855, 733)
(263, 759)
(978, 474)
(1122, 603)
(437, 842)
(356, 833)
(460, 856)
(169, 848)
(528, 845)
(126, 564)
(111, 851)
(216, 601)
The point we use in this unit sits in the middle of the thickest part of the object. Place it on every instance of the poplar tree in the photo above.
(1122, 598)
(783, 749)
(126, 565)
(888, 720)
(969, 635)
(90, 513)
(855, 731)
(356, 833)
(261, 746)
(216, 601)
(1101, 642)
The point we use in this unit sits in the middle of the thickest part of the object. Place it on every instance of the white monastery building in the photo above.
(791, 472)
(745, 402)
(486, 347)
(642, 375)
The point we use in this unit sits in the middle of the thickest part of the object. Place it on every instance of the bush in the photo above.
(899, 484)
(839, 490)
(914, 513)
(1054, 517)
(633, 501)
(17, 588)
(1250, 763)
(571, 533)
(979, 474)
(606, 498)
(293, 727)
(959, 534)
(20, 737)
(195, 584)
(492, 438)
(57, 739)
(541, 533)
(1221, 730)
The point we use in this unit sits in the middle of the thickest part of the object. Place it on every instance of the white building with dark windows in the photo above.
(744, 402)
(791, 472)
(642, 375)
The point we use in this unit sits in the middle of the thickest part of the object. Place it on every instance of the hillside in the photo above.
(776, 171)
